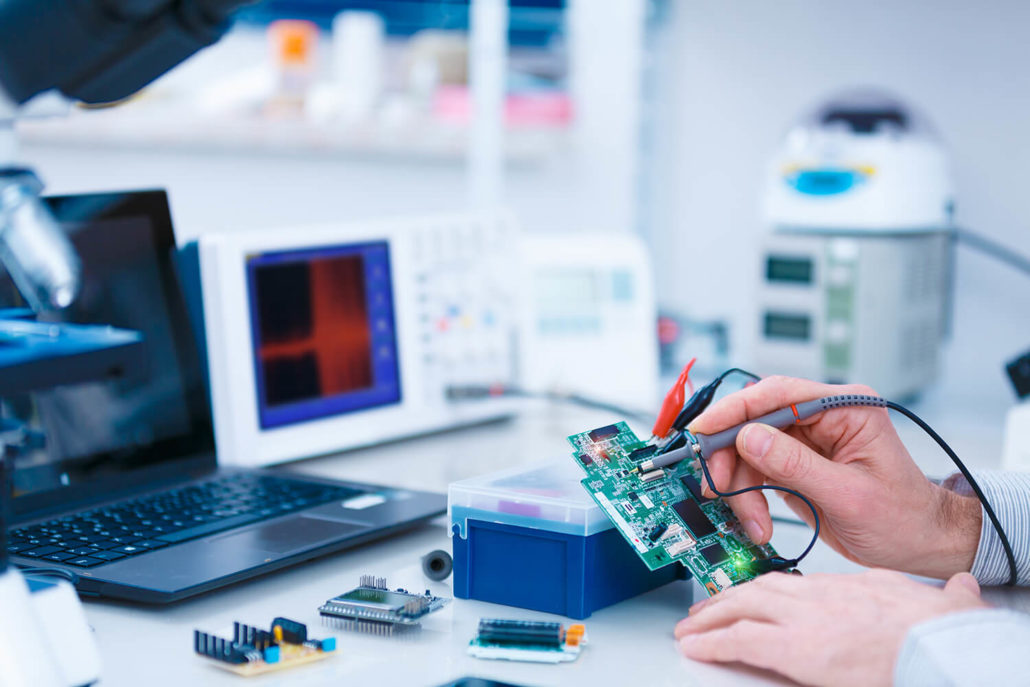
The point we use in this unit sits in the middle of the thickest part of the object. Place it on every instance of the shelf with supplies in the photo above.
(143, 127)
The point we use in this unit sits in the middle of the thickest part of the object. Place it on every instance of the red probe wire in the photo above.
(673, 403)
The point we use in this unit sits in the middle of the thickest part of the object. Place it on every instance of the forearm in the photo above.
(986, 647)
(1009, 495)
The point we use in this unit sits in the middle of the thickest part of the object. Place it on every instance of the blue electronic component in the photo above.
(323, 332)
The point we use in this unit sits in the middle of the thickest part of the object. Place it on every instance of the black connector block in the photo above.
(1019, 373)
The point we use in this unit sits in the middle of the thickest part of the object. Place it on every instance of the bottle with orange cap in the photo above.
(294, 53)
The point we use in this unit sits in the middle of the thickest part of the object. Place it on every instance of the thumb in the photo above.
(963, 583)
(785, 460)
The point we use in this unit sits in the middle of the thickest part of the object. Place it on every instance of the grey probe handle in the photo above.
(785, 417)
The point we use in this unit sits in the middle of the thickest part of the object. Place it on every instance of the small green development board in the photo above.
(664, 516)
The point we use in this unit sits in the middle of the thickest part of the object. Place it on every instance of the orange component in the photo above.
(673, 403)
(574, 635)
(293, 41)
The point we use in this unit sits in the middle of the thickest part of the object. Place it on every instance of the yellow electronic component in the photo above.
(253, 651)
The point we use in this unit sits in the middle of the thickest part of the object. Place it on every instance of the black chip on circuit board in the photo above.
(694, 487)
(715, 554)
(602, 433)
(639, 454)
(694, 517)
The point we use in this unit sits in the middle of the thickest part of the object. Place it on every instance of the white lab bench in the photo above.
(630, 643)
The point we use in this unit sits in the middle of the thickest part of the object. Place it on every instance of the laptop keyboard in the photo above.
(138, 526)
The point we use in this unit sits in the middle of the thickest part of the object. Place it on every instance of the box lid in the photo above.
(545, 495)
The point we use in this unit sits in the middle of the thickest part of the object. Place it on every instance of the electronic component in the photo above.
(669, 526)
(673, 530)
(437, 565)
(646, 477)
(721, 579)
(253, 651)
(715, 554)
(277, 356)
(525, 640)
(694, 518)
(694, 487)
(679, 547)
(658, 530)
(373, 608)
(602, 433)
(642, 453)
(586, 459)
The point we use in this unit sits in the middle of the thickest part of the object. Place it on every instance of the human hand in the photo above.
(875, 506)
(820, 629)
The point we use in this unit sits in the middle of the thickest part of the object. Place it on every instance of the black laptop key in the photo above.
(150, 544)
(108, 555)
(81, 551)
(20, 546)
(130, 549)
(59, 557)
(40, 551)
(84, 562)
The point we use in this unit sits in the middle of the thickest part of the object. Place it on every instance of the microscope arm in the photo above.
(99, 51)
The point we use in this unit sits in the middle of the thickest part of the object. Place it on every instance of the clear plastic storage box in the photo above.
(532, 537)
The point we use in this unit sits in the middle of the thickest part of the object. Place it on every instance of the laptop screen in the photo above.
(91, 436)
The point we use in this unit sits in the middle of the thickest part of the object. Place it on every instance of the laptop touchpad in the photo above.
(288, 535)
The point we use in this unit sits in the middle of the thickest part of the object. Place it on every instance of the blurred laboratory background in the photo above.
(677, 125)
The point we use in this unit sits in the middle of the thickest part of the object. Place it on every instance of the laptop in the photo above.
(118, 489)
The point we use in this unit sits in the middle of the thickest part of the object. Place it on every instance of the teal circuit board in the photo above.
(662, 514)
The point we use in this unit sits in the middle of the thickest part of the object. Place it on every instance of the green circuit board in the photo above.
(662, 514)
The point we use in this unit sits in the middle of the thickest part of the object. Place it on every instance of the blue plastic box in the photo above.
(531, 537)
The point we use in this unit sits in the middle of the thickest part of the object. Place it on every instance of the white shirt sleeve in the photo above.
(983, 647)
(1009, 495)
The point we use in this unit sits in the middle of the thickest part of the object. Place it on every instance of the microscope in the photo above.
(59, 51)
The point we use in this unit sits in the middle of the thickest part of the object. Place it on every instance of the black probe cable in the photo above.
(775, 563)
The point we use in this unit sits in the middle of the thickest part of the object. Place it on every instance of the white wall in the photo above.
(745, 69)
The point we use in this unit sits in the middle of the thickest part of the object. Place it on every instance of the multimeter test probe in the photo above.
(686, 445)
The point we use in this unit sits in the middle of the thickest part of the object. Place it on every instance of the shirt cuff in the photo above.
(1009, 495)
(982, 647)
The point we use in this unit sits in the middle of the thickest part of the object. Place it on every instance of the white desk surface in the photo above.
(630, 643)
